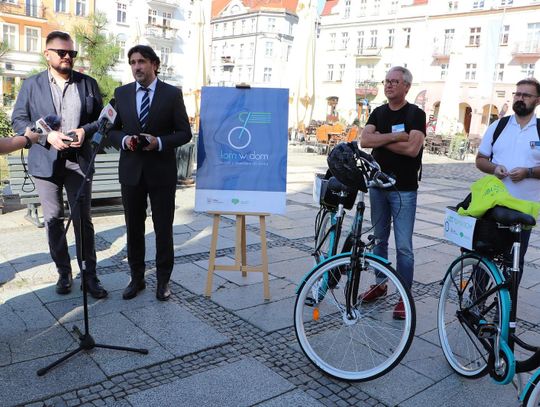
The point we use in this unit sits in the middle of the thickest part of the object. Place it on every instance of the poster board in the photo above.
(242, 150)
(459, 229)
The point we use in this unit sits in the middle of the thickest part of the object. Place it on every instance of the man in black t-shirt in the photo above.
(395, 131)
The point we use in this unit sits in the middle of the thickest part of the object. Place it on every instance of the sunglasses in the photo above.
(63, 52)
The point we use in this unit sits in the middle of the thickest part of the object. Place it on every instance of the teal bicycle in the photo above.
(476, 316)
(342, 335)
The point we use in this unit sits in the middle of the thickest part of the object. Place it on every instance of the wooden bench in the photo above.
(105, 184)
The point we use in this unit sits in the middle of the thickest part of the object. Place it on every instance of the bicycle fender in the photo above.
(381, 259)
(528, 385)
(512, 364)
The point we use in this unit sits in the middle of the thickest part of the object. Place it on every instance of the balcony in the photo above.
(160, 32)
(441, 53)
(369, 52)
(526, 49)
(227, 63)
(34, 11)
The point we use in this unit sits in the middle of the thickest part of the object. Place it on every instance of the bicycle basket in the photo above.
(333, 192)
(342, 161)
(489, 238)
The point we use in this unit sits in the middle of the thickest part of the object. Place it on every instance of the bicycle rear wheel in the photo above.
(460, 314)
(366, 346)
(532, 398)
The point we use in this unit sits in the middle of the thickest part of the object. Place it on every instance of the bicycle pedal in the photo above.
(487, 330)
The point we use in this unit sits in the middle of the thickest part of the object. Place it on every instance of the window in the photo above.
(505, 31)
(452, 5)
(80, 8)
(243, 27)
(448, 38)
(344, 40)
(527, 70)
(341, 72)
(506, 2)
(271, 24)
(233, 27)
(241, 51)
(376, 7)
(167, 19)
(407, 34)
(32, 39)
(165, 54)
(474, 36)
(330, 72)
(444, 70)
(152, 17)
(253, 23)
(373, 39)
(268, 49)
(31, 8)
(371, 71)
(251, 49)
(332, 40)
(363, 8)
(533, 37)
(60, 6)
(347, 12)
(267, 75)
(390, 38)
(394, 7)
(9, 36)
(360, 42)
(121, 9)
(470, 72)
(499, 72)
(121, 50)
(289, 48)
(9, 1)
(478, 4)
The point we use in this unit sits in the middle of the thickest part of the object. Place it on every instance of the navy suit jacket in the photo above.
(35, 101)
(167, 120)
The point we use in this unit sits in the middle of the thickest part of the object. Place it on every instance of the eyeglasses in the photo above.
(523, 95)
(392, 82)
(63, 52)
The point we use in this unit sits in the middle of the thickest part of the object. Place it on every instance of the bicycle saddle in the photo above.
(507, 216)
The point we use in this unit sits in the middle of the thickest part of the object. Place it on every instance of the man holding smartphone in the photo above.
(151, 122)
(61, 157)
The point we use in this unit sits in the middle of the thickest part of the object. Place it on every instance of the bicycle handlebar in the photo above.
(375, 177)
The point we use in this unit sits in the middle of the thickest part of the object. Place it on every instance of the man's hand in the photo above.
(500, 171)
(131, 143)
(56, 139)
(34, 137)
(153, 142)
(80, 135)
(518, 174)
(400, 136)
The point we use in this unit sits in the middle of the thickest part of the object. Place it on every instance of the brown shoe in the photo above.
(399, 310)
(375, 292)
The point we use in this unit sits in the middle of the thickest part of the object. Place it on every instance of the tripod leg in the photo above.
(138, 350)
(44, 370)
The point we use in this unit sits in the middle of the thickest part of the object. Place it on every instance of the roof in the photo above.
(328, 6)
(290, 5)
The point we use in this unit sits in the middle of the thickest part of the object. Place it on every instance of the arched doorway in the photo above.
(465, 115)
(490, 113)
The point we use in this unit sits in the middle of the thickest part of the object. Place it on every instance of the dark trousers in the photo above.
(135, 200)
(68, 175)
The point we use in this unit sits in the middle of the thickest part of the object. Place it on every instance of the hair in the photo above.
(57, 34)
(147, 52)
(407, 75)
(530, 81)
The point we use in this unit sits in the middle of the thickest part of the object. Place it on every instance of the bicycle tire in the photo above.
(532, 397)
(467, 278)
(368, 346)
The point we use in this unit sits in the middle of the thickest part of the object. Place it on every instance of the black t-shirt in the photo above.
(404, 168)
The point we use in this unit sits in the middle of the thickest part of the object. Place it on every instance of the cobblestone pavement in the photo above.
(234, 348)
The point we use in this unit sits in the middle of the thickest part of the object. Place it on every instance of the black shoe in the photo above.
(63, 285)
(163, 291)
(133, 288)
(95, 289)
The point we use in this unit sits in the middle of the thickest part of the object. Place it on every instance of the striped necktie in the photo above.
(145, 107)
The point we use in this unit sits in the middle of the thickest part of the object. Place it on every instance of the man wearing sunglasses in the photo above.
(60, 160)
(510, 150)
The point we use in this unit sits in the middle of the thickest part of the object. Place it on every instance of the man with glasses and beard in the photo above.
(512, 153)
(60, 160)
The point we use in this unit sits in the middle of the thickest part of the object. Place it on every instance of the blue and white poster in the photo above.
(242, 150)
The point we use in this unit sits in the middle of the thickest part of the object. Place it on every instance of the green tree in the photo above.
(100, 52)
(5, 124)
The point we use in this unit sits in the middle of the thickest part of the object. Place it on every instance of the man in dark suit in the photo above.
(55, 164)
(151, 122)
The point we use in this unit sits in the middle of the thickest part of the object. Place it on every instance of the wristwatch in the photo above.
(28, 142)
(530, 173)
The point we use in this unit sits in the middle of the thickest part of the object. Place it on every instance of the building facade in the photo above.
(465, 56)
(251, 42)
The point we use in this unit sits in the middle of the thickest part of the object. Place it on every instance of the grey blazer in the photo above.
(35, 101)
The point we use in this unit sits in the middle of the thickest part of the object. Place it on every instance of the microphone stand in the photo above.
(86, 341)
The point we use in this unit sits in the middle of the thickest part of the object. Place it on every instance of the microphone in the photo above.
(45, 125)
(105, 121)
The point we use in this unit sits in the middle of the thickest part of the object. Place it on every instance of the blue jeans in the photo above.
(389, 206)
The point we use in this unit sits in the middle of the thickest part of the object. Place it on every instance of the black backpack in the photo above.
(500, 127)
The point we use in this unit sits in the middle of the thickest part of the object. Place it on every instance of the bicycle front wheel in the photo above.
(532, 398)
(463, 309)
(365, 345)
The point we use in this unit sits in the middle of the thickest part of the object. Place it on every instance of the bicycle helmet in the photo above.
(342, 161)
